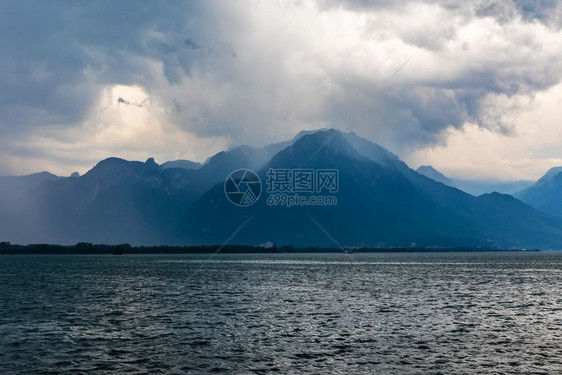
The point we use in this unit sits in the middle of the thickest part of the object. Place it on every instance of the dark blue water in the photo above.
(337, 313)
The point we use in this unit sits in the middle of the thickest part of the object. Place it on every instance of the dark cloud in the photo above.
(191, 44)
(377, 5)
(263, 75)
(529, 10)
(544, 11)
(56, 54)
(143, 103)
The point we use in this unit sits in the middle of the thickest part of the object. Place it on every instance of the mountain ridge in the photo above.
(380, 201)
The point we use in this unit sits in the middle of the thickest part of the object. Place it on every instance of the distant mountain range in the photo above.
(475, 187)
(380, 202)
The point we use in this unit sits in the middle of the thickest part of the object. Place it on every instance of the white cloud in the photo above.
(126, 122)
(531, 150)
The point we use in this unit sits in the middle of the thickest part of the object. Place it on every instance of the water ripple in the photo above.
(491, 313)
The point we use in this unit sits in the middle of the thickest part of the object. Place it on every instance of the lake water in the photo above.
(295, 313)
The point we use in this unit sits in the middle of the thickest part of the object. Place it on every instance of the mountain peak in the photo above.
(302, 133)
(116, 169)
(111, 161)
(321, 149)
(550, 174)
(434, 174)
(339, 143)
(428, 168)
(181, 163)
(545, 193)
(331, 139)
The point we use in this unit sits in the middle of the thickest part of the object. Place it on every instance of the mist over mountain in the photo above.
(380, 202)
(475, 187)
(28, 181)
(19, 209)
(479, 187)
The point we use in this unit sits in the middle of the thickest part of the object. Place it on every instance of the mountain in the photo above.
(220, 165)
(28, 181)
(546, 193)
(116, 201)
(185, 164)
(434, 174)
(213, 218)
(475, 187)
(17, 203)
(380, 202)
(479, 187)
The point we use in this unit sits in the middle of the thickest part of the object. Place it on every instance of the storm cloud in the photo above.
(82, 81)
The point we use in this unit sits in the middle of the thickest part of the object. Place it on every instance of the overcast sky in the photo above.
(479, 95)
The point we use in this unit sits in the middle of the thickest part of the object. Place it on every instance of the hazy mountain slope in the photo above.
(546, 193)
(479, 187)
(220, 165)
(116, 201)
(434, 174)
(474, 187)
(30, 180)
(17, 204)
